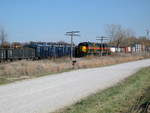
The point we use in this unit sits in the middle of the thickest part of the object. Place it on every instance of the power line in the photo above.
(72, 33)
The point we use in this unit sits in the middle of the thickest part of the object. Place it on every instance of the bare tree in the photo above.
(116, 34)
(130, 32)
(3, 35)
(111, 32)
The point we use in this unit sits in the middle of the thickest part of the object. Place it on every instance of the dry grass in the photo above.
(30, 68)
(44, 67)
(96, 62)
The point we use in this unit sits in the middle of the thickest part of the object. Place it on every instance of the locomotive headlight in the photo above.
(83, 48)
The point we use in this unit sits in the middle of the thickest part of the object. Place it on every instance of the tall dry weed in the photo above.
(30, 68)
(96, 62)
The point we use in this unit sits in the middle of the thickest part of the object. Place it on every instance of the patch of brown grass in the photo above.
(96, 62)
(29, 68)
(40, 67)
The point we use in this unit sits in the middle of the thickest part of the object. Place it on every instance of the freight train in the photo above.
(52, 50)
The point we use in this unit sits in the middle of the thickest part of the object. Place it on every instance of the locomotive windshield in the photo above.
(83, 44)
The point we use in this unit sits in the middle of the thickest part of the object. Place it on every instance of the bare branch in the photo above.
(3, 35)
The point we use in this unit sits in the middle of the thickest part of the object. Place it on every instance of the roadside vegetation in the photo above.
(129, 96)
(25, 69)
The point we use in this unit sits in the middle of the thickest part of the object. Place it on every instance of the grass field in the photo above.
(4, 80)
(25, 69)
(130, 96)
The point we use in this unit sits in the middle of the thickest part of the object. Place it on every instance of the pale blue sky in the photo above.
(48, 20)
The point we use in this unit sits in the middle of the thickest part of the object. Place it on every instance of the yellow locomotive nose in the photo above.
(83, 49)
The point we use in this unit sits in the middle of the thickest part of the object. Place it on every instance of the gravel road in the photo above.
(49, 93)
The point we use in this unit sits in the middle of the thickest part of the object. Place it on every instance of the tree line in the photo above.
(120, 37)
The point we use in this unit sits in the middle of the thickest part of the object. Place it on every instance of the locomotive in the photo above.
(91, 48)
(52, 50)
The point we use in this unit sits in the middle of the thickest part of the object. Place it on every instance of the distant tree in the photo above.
(144, 41)
(129, 32)
(61, 42)
(116, 34)
(127, 42)
(3, 35)
(130, 37)
(120, 37)
(7, 44)
(16, 44)
(111, 33)
(133, 40)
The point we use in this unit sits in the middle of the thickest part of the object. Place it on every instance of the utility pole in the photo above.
(101, 38)
(72, 33)
(147, 35)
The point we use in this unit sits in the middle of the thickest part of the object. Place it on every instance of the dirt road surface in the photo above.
(50, 93)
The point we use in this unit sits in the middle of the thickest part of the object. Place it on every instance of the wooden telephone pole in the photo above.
(72, 33)
(147, 35)
(101, 38)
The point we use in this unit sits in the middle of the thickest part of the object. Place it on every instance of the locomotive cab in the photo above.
(81, 49)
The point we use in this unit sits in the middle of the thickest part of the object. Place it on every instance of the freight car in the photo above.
(88, 48)
(50, 50)
(20, 53)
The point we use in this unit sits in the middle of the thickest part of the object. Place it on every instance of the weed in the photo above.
(44, 67)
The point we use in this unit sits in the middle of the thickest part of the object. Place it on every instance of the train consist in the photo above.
(40, 50)
(52, 50)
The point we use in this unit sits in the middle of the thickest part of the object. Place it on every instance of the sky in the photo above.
(49, 20)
